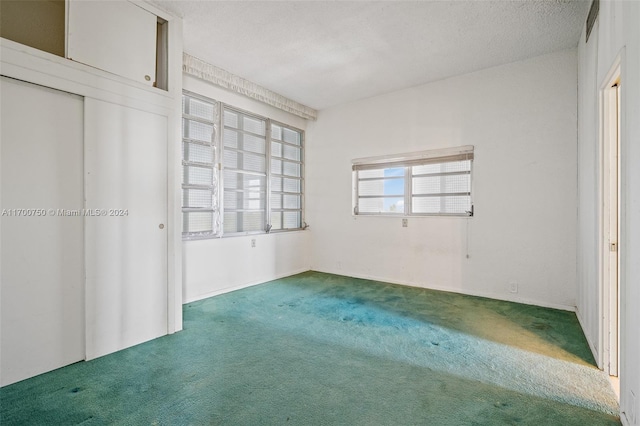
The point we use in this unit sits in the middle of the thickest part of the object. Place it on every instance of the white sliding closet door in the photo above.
(42, 291)
(126, 249)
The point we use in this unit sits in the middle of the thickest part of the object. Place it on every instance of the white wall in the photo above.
(617, 33)
(521, 118)
(588, 157)
(219, 265)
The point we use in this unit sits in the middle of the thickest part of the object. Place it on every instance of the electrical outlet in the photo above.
(405, 223)
(339, 265)
(253, 242)
(513, 286)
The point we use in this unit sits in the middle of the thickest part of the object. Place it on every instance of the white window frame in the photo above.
(217, 187)
(239, 211)
(214, 185)
(407, 162)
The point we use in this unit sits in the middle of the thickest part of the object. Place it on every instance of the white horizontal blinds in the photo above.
(286, 178)
(381, 190)
(245, 172)
(434, 182)
(200, 208)
(441, 188)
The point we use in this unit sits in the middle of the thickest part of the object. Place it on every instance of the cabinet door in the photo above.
(115, 36)
(42, 285)
(126, 236)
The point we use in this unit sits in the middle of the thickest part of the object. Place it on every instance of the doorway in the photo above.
(610, 227)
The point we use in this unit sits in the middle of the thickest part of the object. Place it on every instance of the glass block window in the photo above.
(424, 183)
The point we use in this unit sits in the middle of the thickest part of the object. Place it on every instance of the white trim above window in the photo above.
(425, 183)
(222, 78)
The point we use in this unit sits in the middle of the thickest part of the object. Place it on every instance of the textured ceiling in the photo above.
(324, 53)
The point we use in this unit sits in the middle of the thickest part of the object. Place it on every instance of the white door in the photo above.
(42, 312)
(126, 241)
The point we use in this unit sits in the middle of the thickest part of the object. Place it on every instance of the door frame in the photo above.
(610, 209)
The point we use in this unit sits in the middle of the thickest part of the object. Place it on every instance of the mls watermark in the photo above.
(65, 212)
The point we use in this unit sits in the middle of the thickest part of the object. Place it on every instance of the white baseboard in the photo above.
(241, 286)
(488, 295)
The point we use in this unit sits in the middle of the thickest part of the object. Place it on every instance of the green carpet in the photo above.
(321, 349)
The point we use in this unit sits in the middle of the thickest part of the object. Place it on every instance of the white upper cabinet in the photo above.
(115, 36)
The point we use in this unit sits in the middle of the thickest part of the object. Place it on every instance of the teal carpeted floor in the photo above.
(321, 349)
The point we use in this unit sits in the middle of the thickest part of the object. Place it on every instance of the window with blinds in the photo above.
(424, 183)
(247, 177)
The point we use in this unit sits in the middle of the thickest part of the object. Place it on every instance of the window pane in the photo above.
(457, 166)
(197, 175)
(244, 142)
(454, 166)
(291, 136)
(198, 131)
(436, 205)
(276, 201)
(286, 201)
(276, 184)
(381, 187)
(230, 139)
(291, 169)
(196, 152)
(244, 161)
(291, 201)
(276, 166)
(291, 152)
(230, 119)
(426, 169)
(371, 187)
(254, 125)
(238, 180)
(276, 149)
(245, 200)
(460, 204)
(291, 185)
(253, 144)
(197, 198)
(427, 205)
(367, 174)
(197, 221)
(441, 184)
(381, 205)
(198, 108)
(291, 220)
(276, 220)
(276, 132)
(243, 221)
